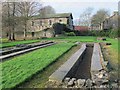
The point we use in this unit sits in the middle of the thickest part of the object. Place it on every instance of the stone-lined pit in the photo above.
(82, 70)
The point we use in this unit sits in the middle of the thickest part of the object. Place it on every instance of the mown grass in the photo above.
(114, 45)
(86, 39)
(20, 68)
(13, 43)
(4, 40)
(74, 38)
(114, 42)
(113, 51)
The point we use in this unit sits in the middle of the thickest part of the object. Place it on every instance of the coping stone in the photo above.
(96, 59)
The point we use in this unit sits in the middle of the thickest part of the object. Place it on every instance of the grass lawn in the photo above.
(74, 39)
(20, 68)
(4, 40)
(13, 43)
(71, 39)
(113, 53)
(114, 42)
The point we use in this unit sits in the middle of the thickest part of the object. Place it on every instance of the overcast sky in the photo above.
(76, 7)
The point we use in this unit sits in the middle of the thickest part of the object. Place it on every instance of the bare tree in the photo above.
(8, 18)
(46, 11)
(85, 17)
(17, 13)
(100, 16)
(13, 19)
(25, 10)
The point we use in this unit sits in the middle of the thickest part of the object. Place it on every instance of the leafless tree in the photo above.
(25, 10)
(85, 17)
(100, 16)
(46, 11)
(8, 18)
(17, 13)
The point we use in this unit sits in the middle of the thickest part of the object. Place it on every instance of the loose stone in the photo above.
(70, 83)
(102, 86)
(77, 43)
(81, 82)
(100, 75)
(66, 80)
(104, 82)
(73, 79)
(104, 39)
(88, 83)
(114, 85)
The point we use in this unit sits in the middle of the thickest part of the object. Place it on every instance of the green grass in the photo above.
(113, 53)
(114, 45)
(4, 40)
(13, 43)
(20, 68)
(86, 39)
(74, 38)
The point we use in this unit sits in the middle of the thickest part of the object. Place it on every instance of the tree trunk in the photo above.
(9, 29)
(9, 34)
(13, 26)
(25, 31)
(13, 34)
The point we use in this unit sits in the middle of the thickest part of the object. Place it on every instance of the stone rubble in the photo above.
(88, 83)
(70, 83)
(99, 80)
(81, 82)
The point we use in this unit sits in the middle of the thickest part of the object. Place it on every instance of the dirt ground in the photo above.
(83, 71)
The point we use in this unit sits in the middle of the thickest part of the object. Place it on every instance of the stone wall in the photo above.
(111, 22)
(41, 24)
(36, 27)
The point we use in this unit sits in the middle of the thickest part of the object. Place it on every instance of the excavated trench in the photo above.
(82, 69)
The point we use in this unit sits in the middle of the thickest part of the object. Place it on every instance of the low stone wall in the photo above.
(25, 50)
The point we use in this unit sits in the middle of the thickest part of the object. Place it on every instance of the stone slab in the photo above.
(96, 62)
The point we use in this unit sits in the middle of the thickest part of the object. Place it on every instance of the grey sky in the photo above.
(76, 7)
